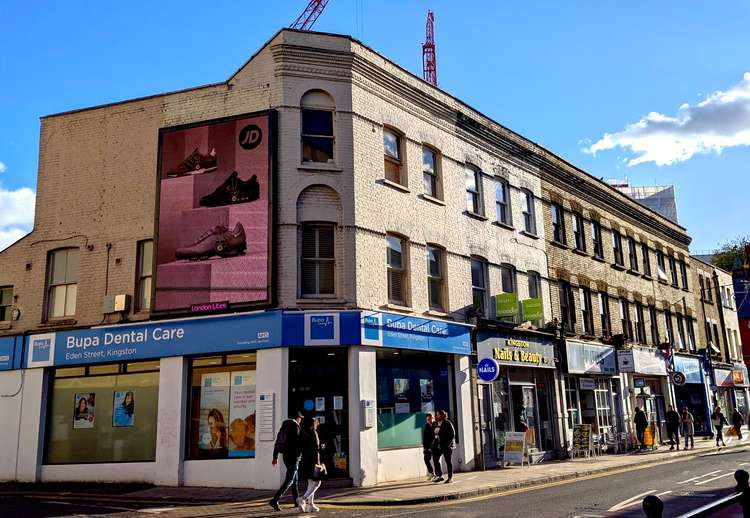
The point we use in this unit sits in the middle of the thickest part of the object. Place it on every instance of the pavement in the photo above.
(411, 492)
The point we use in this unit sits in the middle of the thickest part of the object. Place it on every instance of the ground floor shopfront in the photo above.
(198, 401)
(521, 396)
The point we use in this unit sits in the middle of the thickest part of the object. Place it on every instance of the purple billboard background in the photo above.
(217, 269)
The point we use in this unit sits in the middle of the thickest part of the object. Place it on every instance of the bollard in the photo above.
(653, 506)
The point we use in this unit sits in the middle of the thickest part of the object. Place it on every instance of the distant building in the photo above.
(660, 198)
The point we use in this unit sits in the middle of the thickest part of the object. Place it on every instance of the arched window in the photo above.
(317, 127)
(318, 212)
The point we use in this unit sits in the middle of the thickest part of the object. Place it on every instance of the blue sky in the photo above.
(563, 74)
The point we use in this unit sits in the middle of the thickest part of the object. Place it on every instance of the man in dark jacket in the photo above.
(673, 425)
(288, 444)
(428, 437)
(737, 421)
(641, 423)
(445, 443)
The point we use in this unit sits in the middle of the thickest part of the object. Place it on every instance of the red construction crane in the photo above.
(307, 19)
(428, 51)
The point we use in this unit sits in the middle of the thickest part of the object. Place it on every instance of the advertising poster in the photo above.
(401, 395)
(214, 411)
(242, 414)
(338, 402)
(320, 404)
(426, 396)
(123, 408)
(213, 214)
(84, 410)
(515, 444)
(582, 437)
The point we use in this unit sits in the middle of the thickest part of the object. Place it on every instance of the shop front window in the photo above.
(221, 421)
(571, 399)
(103, 413)
(410, 385)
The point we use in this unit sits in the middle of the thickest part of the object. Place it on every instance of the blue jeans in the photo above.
(640, 436)
(686, 436)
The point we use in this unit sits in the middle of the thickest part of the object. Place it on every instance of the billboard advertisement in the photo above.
(213, 230)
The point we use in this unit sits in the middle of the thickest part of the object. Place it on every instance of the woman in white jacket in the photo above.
(687, 424)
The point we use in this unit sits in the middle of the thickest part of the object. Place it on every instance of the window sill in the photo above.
(558, 244)
(475, 215)
(319, 300)
(578, 251)
(529, 234)
(503, 225)
(398, 307)
(319, 167)
(647, 277)
(395, 185)
(597, 258)
(633, 272)
(619, 267)
(675, 286)
(687, 290)
(4, 326)
(434, 200)
(59, 322)
(665, 283)
(437, 313)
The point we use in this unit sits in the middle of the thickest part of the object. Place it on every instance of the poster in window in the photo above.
(426, 396)
(320, 404)
(242, 414)
(214, 411)
(338, 402)
(401, 395)
(123, 408)
(84, 410)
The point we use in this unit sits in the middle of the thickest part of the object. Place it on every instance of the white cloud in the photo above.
(3, 167)
(16, 214)
(720, 121)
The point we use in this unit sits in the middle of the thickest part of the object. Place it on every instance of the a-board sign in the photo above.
(515, 446)
(582, 437)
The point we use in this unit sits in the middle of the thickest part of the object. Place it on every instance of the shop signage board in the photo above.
(513, 350)
(155, 340)
(532, 309)
(582, 438)
(10, 353)
(487, 370)
(641, 361)
(625, 360)
(506, 305)
(678, 378)
(739, 375)
(690, 367)
(586, 384)
(408, 332)
(515, 447)
(723, 378)
(587, 358)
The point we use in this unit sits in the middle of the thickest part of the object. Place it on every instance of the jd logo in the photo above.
(250, 137)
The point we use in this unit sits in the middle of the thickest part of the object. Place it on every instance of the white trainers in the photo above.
(314, 508)
(302, 503)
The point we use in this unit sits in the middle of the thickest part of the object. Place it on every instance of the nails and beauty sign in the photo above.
(214, 214)
(526, 351)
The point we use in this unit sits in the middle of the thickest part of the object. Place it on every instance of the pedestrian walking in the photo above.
(641, 423)
(288, 445)
(687, 423)
(719, 421)
(428, 438)
(673, 425)
(311, 468)
(737, 421)
(445, 443)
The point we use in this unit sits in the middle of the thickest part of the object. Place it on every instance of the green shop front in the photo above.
(521, 396)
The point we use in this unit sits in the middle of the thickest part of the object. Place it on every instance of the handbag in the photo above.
(319, 471)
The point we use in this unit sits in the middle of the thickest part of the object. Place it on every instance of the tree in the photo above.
(725, 256)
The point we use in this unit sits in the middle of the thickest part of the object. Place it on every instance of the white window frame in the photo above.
(317, 261)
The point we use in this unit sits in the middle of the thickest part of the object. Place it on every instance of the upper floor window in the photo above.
(62, 282)
(435, 277)
(670, 327)
(567, 307)
(646, 257)
(474, 191)
(587, 315)
(479, 285)
(508, 284)
(627, 327)
(653, 317)
(558, 223)
(317, 260)
(392, 152)
(604, 314)
(397, 270)
(617, 248)
(680, 332)
(578, 232)
(684, 275)
(673, 271)
(535, 287)
(709, 291)
(702, 286)
(502, 202)
(527, 209)
(640, 324)
(632, 254)
(144, 274)
(317, 127)
(690, 333)
(6, 302)
(596, 237)
(430, 175)
(661, 266)
(717, 339)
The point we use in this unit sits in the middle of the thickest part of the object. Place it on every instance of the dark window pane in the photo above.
(317, 122)
(317, 149)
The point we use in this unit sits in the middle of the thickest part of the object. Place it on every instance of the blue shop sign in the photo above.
(487, 370)
(690, 367)
(407, 332)
(10, 352)
(155, 340)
